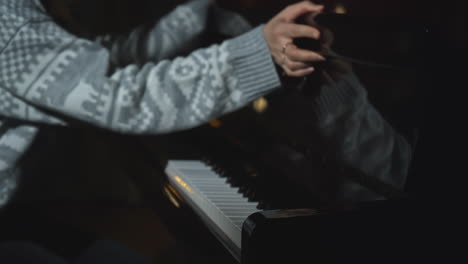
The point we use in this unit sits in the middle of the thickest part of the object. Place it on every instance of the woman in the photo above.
(51, 73)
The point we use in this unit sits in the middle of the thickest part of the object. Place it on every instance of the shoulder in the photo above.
(29, 45)
(15, 14)
(22, 11)
(27, 24)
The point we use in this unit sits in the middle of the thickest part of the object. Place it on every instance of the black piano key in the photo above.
(261, 205)
(220, 171)
(249, 192)
(257, 195)
(234, 182)
(243, 189)
(256, 183)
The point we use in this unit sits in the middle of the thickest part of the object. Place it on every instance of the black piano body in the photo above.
(256, 150)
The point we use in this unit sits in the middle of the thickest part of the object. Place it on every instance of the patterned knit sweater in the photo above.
(135, 84)
(144, 83)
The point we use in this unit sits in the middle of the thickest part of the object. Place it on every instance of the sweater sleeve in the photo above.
(55, 79)
(177, 33)
(360, 138)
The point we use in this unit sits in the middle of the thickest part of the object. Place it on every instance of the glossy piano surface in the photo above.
(268, 150)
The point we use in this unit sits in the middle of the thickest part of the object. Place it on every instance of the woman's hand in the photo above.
(282, 30)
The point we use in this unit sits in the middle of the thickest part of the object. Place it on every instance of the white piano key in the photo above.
(234, 204)
(199, 173)
(188, 164)
(230, 211)
(227, 200)
(225, 191)
(208, 182)
(217, 197)
(237, 219)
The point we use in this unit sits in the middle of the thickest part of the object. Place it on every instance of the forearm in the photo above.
(156, 98)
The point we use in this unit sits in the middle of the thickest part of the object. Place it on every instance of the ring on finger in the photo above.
(285, 46)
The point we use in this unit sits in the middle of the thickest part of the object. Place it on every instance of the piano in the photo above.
(242, 174)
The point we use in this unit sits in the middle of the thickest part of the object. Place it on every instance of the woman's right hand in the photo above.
(280, 33)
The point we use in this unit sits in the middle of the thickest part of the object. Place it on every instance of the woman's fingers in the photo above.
(302, 55)
(298, 73)
(293, 65)
(294, 11)
(300, 31)
(296, 69)
(280, 33)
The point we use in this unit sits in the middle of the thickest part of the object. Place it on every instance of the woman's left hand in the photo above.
(280, 33)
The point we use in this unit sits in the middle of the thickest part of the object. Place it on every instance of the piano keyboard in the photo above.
(221, 205)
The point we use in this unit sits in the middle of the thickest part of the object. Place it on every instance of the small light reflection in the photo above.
(260, 105)
(183, 183)
(340, 9)
(174, 192)
(215, 123)
(171, 197)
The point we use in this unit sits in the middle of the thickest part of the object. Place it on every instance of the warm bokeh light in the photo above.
(260, 105)
(340, 9)
(215, 123)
